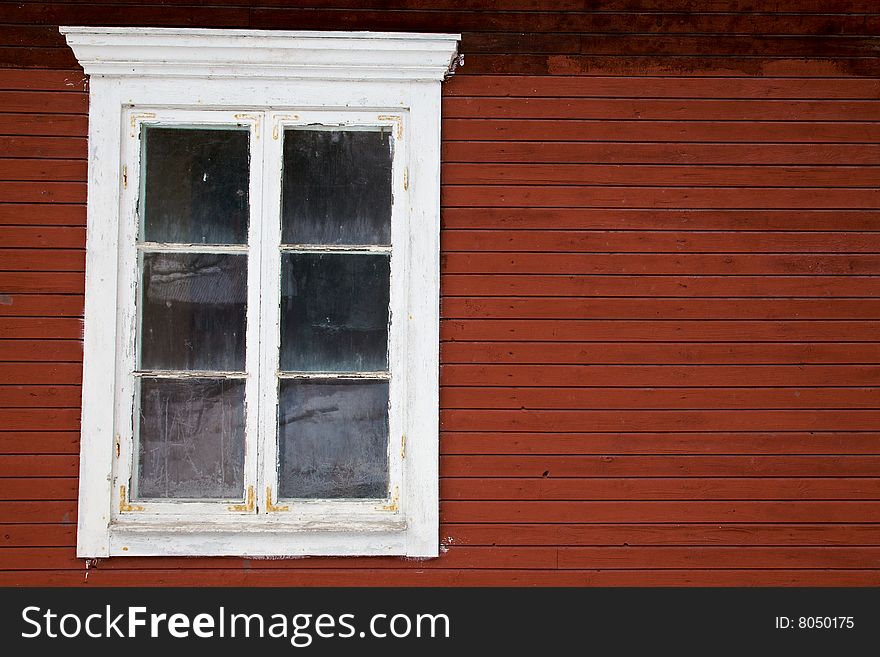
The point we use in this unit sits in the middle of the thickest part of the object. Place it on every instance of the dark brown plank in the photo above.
(661, 153)
(624, 376)
(571, 308)
(177, 575)
(575, 130)
(41, 350)
(660, 87)
(858, 511)
(643, 466)
(669, 443)
(656, 219)
(662, 534)
(575, 285)
(671, 488)
(572, 196)
(747, 399)
(631, 331)
(577, 420)
(640, 176)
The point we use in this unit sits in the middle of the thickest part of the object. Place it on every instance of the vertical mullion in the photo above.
(270, 285)
(254, 285)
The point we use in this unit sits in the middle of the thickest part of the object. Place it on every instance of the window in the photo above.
(261, 332)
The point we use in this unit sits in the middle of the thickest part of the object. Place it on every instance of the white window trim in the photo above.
(277, 78)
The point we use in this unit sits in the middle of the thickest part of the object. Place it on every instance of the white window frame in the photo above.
(266, 81)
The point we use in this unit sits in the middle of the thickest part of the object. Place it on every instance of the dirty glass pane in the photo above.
(195, 185)
(193, 311)
(336, 187)
(333, 439)
(191, 439)
(334, 312)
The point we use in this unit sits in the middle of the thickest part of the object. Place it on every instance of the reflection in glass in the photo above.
(334, 312)
(333, 439)
(191, 439)
(193, 311)
(195, 185)
(336, 187)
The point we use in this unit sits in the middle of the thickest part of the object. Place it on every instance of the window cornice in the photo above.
(216, 53)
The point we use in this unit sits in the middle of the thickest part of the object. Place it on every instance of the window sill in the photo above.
(270, 538)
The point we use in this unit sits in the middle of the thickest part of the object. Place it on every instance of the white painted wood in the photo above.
(334, 248)
(264, 80)
(326, 540)
(189, 374)
(196, 53)
(157, 247)
(270, 311)
(253, 393)
(127, 308)
(99, 331)
(382, 376)
(423, 325)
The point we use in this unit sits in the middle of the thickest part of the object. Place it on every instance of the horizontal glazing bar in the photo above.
(334, 248)
(382, 376)
(161, 247)
(189, 374)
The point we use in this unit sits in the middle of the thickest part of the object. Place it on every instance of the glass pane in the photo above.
(193, 311)
(337, 187)
(334, 312)
(333, 439)
(191, 439)
(196, 185)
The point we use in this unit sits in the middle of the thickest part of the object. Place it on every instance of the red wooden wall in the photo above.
(661, 249)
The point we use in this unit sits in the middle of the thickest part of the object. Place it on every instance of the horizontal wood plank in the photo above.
(39, 442)
(703, 443)
(29, 282)
(577, 285)
(70, 351)
(573, 196)
(634, 175)
(655, 109)
(732, 534)
(547, 131)
(652, 263)
(857, 511)
(45, 396)
(629, 376)
(42, 214)
(340, 576)
(641, 466)
(543, 330)
(532, 398)
(669, 353)
(575, 308)
(41, 327)
(745, 488)
(598, 420)
(622, 152)
(655, 219)
(658, 87)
